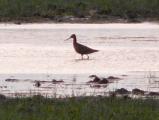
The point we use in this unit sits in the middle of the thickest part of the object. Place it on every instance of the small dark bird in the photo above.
(81, 49)
(96, 78)
(37, 84)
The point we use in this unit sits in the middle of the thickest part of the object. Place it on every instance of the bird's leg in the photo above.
(87, 57)
(82, 56)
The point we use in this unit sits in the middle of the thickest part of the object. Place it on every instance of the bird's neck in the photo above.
(74, 40)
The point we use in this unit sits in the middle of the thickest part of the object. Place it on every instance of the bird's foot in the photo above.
(87, 57)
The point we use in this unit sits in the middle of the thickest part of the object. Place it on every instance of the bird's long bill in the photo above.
(68, 38)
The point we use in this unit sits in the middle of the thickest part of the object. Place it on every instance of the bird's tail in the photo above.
(95, 50)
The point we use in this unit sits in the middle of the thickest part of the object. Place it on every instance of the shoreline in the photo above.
(77, 20)
(65, 25)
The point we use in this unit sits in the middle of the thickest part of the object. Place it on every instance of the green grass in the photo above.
(81, 108)
(52, 9)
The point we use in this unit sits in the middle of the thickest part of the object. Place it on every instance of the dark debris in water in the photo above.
(38, 82)
(104, 81)
(97, 83)
(57, 81)
(95, 86)
(3, 87)
(11, 80)
(124, 75)
(153, 94)
(113, 78)
(98, 86)
(137, 91)
(122, 91)
(99, 80)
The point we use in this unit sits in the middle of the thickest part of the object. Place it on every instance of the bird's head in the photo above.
(93, 76)
(72, 36)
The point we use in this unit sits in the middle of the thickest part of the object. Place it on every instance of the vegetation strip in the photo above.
(78, 108)
(78, 10)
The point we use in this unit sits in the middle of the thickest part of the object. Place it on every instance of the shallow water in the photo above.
(32, 51)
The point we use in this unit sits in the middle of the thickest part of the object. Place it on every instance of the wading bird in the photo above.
(81, 49)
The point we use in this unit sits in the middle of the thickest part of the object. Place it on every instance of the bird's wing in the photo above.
(84, 49)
